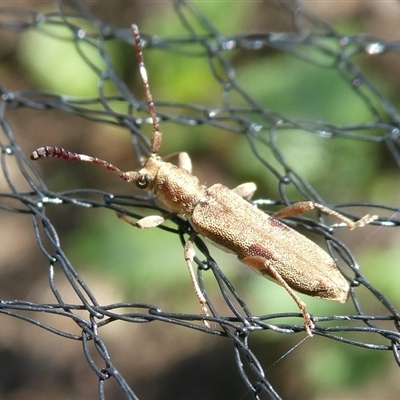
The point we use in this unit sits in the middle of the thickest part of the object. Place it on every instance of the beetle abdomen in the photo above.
(261, 241)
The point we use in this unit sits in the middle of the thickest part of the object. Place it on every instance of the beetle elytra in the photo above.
(229, 220)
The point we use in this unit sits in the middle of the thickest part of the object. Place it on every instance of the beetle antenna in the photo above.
(157, 135)
(59, 152)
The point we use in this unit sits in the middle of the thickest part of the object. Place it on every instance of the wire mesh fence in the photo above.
(332, 138)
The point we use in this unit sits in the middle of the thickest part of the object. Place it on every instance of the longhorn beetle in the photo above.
(226, 218)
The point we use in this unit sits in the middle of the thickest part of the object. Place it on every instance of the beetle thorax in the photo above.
(177, 189)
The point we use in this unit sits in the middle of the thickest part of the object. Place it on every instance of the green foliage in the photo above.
(57, 63)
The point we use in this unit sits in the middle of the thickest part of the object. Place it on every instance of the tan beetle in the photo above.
(229, 220)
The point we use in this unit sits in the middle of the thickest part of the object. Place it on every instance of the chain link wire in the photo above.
(28, 200)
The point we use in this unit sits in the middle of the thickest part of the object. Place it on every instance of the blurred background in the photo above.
(122, 264)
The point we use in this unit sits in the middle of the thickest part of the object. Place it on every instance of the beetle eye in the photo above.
(143, 181)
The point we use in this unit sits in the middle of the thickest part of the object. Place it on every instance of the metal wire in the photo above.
(28, 195)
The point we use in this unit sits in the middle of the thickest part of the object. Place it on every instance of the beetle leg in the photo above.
(184, 160)
(255, 262)
(245, 190)
(150, 221)
(189, 253)
(303, 206)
